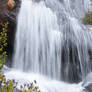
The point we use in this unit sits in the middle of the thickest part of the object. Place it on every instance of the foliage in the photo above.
(87, 20)
(3, 43)
(11, 86)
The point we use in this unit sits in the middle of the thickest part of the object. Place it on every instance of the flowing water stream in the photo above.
(52, 44)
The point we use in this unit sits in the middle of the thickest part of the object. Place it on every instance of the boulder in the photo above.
(10, 4)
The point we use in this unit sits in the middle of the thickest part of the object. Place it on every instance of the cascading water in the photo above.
(38, 41)
(51, 41)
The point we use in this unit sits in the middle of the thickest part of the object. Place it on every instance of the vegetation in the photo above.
(11, 86)
(3, 43)
(87, 20)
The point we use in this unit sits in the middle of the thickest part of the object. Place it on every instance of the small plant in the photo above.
(3, 43)
(11, 86)
(88, 18)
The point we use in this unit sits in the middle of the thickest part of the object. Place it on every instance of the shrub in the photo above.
(87, 20)
(11, 86)
(3, 43)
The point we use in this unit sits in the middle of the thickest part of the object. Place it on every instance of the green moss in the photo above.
(87, 20)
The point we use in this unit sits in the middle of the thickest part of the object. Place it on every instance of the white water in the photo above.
(44, 84)
(38, 44)
(51, 41)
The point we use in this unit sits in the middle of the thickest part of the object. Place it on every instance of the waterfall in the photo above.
(52, 41)
(38, 40)
(52, 46)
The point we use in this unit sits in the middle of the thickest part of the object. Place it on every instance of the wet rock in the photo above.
(87, 83)
(87, 80)
(72, 73)
(88, 88)
(9, 10)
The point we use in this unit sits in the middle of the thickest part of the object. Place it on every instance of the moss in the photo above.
(87, 20)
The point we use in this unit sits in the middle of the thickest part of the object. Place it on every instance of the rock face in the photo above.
(88, 80)
(88, 88)
(10, 4)
(88, 83)
(9, 9)
(8, 12)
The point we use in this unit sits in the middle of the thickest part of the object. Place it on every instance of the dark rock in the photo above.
(9, 15)
(72, 73)
(87, 83)
(88, 88)
(12, 18)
